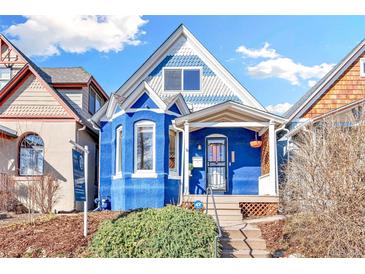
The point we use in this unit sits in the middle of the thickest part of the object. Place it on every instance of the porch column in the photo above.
(186, 158)
(272, 155)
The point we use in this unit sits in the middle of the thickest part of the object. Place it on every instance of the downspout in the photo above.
(182, 162)
(99, 136)
(283, 127)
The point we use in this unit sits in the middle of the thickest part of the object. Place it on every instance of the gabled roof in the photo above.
(67, 75)
(147, 67)
(50, 76)
(322, 86)
(125, 103)
(241, 109)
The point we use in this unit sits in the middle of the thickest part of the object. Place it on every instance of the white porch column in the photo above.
(272, 155)
(186, 158)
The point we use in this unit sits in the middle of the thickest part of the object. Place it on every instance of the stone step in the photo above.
(246, 254)
(240, 244)
(244, 233)
(222, 212)
(223, 206)
(236, 218)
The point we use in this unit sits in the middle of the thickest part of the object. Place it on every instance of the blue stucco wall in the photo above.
(243, 174)
(128, 192)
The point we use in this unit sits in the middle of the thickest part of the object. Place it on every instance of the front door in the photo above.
(217, 163)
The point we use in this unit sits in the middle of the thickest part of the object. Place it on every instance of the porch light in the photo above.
(199, 147)
(256, 143)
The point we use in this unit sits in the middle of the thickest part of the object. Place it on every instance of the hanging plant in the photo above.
(256, 143)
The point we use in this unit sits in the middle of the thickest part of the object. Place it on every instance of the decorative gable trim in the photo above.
(141, 89)
(20, 78)
(180, 103)
(142, 73)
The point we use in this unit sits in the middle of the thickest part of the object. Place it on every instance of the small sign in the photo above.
(198, 204)
(79, 175)
(197, 161)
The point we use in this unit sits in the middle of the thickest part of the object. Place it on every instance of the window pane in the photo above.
(98, 103)
(31, 156)
(145, 148)
(119, 152)
(92, 102)
(172, 78)
(5, 73)
(191, 79)
(3, 83)
(172, 150)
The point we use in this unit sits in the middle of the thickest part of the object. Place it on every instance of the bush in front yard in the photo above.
(170, 232)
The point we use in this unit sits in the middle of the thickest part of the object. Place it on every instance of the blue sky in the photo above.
(300, 49)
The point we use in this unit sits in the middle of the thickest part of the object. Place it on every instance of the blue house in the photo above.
(182, 123)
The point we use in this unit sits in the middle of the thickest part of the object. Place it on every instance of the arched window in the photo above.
(31, 155)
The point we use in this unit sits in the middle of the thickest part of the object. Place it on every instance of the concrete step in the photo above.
(232, 198)
(221, 212)
(240, 244)
(246, 254)
(223, 206)
(244, 233)
(231, 218)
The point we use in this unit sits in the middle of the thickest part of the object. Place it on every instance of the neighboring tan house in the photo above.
(181, 124)
(41, 110)
(341, 92)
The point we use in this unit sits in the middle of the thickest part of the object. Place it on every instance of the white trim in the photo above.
(230, 124)
(362, 67)
(175, 173)
(181, 104)
(155, 110)
(147, 174)
(139, 172)
(234, 106)
(272, 156)
(173, 177)
(327, 83)
(186, 158)
(182, 80)
(118, 147)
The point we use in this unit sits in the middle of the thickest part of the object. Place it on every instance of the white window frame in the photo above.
(5, 80)
(118, 147)
(182, 79)
(174, 174)
(362, 69)
(142, 173)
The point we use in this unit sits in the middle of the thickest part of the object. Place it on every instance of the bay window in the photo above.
(144, 147)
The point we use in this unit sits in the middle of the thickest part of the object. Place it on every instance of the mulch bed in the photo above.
(51, 236)
(279, 243)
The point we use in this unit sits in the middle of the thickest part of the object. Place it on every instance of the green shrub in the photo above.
(170, 232)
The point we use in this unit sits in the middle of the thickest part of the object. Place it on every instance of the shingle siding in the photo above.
(348, 88)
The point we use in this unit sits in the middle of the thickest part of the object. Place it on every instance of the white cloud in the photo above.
(264, 52)
(286, 68)
(279, 108)
(311, 83)
(48, 35)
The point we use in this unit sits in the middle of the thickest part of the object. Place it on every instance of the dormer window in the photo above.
(182, 79)
(5, 76)
(95, 101)
(362, 67)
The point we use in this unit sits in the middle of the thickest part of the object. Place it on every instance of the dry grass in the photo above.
(325, 190)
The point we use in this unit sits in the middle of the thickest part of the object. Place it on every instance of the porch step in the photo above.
(246, 254)
(225, 211)
(233, 199)
(242, 240)
(234, 217)
(243, 244)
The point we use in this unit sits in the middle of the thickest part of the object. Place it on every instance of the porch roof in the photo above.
(230, 114)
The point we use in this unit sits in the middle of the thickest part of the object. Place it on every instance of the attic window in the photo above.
(362, 67)
(5, 76)
(181, 79)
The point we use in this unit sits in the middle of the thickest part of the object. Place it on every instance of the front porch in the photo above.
(216, 153)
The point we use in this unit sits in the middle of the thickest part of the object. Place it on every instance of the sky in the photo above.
(277, 58)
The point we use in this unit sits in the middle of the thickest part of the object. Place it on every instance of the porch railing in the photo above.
(210, 190)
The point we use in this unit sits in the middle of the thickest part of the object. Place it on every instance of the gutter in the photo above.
(182, 163)
(99, 136)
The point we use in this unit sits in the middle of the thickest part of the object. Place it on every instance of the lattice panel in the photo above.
(258, 209)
